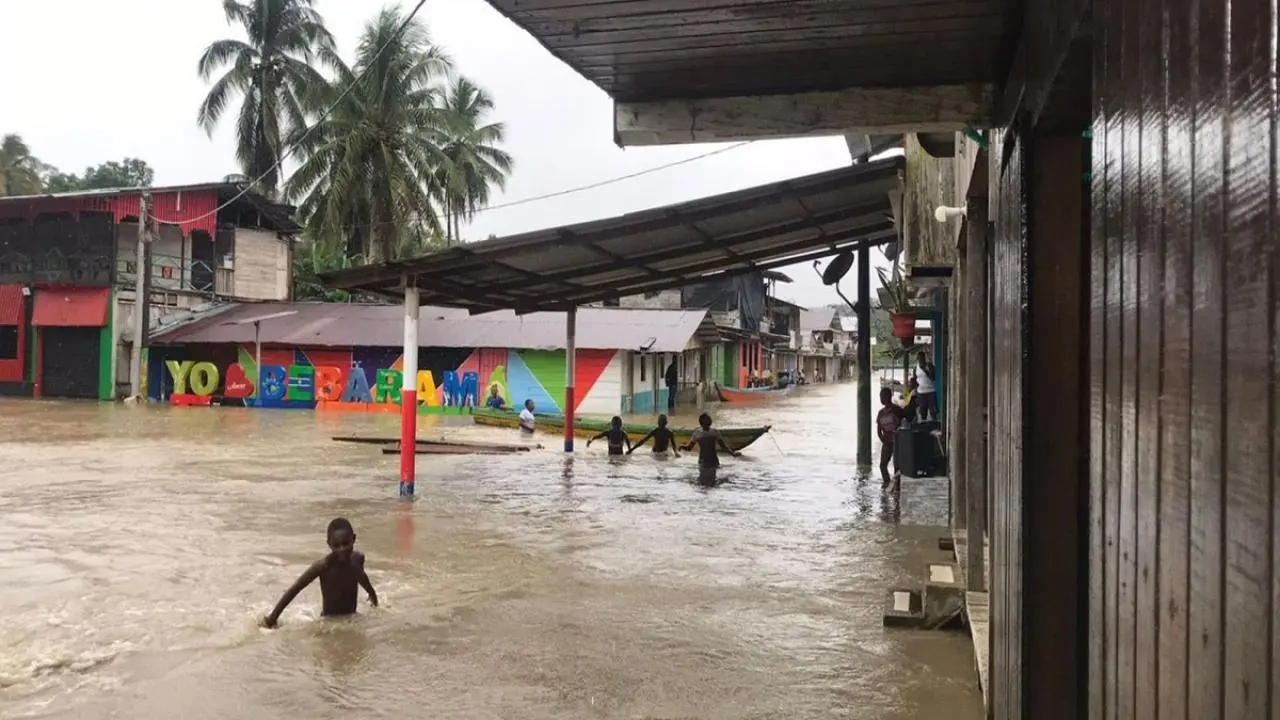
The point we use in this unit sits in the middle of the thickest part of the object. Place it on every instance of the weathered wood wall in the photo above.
(1008, 288)
(1183, 450)
(927, 183)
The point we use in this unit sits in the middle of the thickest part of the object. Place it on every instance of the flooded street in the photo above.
(139, 548)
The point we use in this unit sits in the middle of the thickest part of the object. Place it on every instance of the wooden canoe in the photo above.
(748, 396)
(736, 438)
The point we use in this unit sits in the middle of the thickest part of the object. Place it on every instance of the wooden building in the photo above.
(1112, 298)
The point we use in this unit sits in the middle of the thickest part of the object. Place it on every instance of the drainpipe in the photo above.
(409, 392)
(570, 361)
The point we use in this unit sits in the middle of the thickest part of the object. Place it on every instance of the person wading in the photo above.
(672, 381)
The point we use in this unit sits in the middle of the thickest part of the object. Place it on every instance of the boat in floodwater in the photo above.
(736, 438)
(748, 396)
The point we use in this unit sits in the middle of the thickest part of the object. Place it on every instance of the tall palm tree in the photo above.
(475, 163)
(368, 173)
(19, 169)
(272, 71)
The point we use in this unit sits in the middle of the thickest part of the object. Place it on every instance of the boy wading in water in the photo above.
(709, 442)
(663, 438)
(616, 436)
(340, 572)
(888, 420)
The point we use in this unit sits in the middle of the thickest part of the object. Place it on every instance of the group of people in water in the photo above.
(341, 572)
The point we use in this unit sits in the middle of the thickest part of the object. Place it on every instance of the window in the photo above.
(642, 366)
(8, 342)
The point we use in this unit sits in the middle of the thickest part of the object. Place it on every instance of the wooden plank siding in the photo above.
(1183, 337)
(928, 183)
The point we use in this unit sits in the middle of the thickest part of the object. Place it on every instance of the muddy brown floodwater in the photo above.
(140, 546)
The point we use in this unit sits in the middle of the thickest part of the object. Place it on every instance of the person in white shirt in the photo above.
(526, 417)
(926, 398)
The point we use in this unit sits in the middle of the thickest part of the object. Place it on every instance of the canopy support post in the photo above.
(409, 393)
(570, 352)
(864, 356)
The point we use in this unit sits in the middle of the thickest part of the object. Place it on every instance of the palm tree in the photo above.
(369, 167)
(272, 72)
(19, 170)
(475, 164)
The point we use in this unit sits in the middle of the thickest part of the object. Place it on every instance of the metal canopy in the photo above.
(751, 230)
(645, 50)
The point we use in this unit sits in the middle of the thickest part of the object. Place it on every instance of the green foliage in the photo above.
(20, 171)
(404, 156)
(271, 71)
(129, 173)
(898, 290)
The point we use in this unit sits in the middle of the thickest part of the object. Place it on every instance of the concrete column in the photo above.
(864, 356)
(409, 393)
(570, 358)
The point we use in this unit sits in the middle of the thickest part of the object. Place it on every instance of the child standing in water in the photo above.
(616, 436)
(662, 436)
(709, 441)
(340, 572)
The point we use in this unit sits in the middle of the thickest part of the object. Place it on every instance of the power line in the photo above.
(329, 110)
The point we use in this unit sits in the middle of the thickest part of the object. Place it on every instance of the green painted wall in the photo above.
(107, 344)
(715, 371)
(732, 355)
(547, 367)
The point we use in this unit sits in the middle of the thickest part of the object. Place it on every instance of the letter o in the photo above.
(204, 379)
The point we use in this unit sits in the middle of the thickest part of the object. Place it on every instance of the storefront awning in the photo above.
(71, 307)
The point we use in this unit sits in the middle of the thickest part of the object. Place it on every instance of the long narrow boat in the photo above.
(736, 438)
(750, 396)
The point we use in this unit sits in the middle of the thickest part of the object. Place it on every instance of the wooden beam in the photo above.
(888, 110)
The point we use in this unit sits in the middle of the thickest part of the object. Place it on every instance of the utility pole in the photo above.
(141, 295)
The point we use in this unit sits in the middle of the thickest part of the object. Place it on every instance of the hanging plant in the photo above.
(901, 311)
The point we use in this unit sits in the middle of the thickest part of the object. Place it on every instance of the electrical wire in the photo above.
(288, 151)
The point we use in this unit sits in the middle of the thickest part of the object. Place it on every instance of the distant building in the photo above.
(335, 357)
(68, 272)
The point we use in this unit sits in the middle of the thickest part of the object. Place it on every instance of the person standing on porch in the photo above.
(672, 381)
(926, 397)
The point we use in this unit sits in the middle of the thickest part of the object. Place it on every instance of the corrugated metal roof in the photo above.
(818, 319)
(848, 323)
(645, 50)
(344, 325)
(750, 230)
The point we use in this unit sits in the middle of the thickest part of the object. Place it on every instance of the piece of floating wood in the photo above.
(436, 441)
(436, 449)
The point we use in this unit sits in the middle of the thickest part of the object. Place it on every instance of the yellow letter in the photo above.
(179, 371)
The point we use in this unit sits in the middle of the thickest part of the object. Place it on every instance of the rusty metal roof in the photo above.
(750, 230)
(816, 319)
(349, 325)
(643, 50)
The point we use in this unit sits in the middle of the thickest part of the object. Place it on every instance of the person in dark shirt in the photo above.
(672, 380)
(616, 436)
(709, 441)
(888, 420)
(495, 400)
(663, 439)
(340, 573)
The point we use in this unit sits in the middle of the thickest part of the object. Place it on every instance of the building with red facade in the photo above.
(69, 270)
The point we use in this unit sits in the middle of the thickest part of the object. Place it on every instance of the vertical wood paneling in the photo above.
(1006, 429)
(1249, 432)
(1148, 243)
(1099, 622)
(1205, 608)
(1111, 442)
(1175, 399)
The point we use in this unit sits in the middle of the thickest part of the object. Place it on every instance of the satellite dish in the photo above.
(890, 250)
(837, 268)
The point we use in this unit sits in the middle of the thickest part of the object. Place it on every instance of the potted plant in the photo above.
(901, 312)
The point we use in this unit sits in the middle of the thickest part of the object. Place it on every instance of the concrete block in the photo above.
(944, 592)
(903, 609)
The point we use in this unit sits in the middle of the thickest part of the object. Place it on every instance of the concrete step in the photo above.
(904, 609)
(943, 596)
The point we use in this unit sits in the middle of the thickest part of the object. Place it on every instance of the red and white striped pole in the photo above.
(409, 393)
(571, 331)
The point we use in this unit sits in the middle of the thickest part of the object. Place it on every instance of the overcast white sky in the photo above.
(118, 79)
